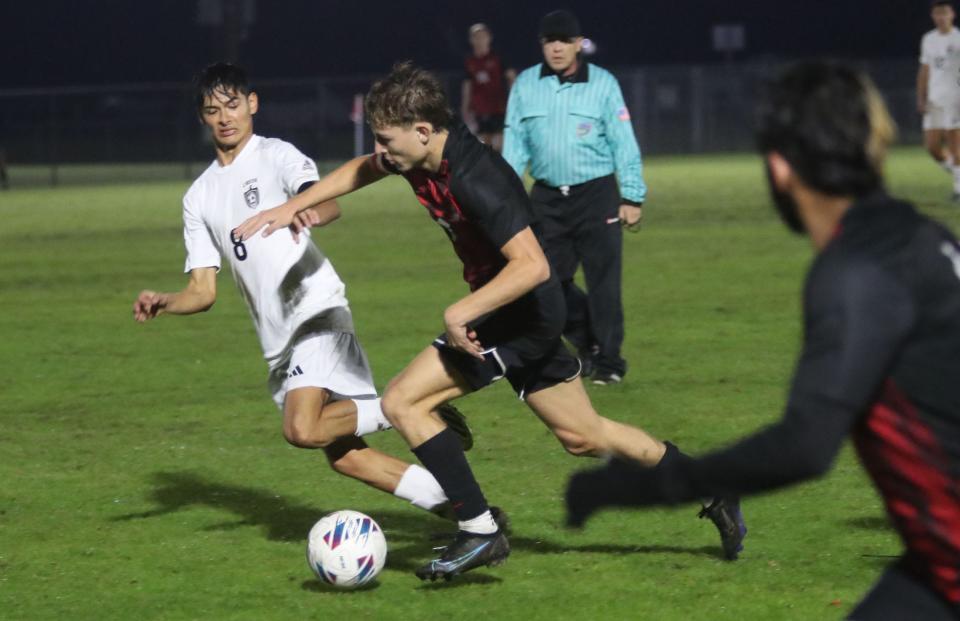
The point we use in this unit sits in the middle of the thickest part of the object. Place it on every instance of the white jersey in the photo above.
(285, 284)
(941, 52)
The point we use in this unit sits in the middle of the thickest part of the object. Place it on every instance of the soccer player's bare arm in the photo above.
(526, 268)
(198, 296)
(353, 175)
(318, 215)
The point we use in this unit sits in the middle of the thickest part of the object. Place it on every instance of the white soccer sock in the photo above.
(956, 179)
(370, 417)
(483, 524)
(948, 164)
(419, 487)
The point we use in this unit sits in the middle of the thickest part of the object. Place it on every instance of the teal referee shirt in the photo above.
(573, 130)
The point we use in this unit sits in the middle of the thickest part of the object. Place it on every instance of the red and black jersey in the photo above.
(880, 362)
(488, 93)
(478, 201)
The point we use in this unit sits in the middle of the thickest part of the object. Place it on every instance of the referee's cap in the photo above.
(560, 25)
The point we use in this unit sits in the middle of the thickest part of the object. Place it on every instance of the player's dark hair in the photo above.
(409, 94)
(936, 3)
(220, 77)
(830, 123)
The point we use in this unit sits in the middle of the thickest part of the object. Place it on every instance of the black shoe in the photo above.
(468, 551)
(457, 423)
(588, 363)
(725, 515)
(605, 378)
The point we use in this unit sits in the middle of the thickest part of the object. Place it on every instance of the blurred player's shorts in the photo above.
(942, 117)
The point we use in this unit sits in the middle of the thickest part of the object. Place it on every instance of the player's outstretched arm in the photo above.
(198, 296)
(353, 175)
(318, 215)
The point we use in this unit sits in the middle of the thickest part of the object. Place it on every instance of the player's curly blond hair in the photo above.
(409, 94)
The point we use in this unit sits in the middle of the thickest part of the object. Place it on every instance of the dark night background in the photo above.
(54, 43)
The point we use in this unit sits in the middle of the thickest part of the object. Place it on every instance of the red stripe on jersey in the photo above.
(481, 259)
(911, 469)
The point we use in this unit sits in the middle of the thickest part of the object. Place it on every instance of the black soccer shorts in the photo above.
(522, 344)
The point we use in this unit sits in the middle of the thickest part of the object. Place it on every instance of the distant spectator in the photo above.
(485, 87)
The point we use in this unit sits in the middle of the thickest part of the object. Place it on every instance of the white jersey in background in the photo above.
(285, 284)
(941, 52)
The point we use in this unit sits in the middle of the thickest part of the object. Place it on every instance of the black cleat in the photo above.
(457, 423)
(606, 378)
(725, 515)
(468, 551)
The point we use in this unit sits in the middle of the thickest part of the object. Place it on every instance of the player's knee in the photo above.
(397, 408)
(579, 445)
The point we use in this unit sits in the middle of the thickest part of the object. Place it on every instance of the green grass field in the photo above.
(143, 474)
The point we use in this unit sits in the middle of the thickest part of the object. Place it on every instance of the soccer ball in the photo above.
(346, 549)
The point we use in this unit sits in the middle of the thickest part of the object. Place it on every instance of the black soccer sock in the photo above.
(443, 456)
(671, 456)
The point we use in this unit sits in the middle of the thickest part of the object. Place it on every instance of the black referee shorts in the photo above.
(522, 343)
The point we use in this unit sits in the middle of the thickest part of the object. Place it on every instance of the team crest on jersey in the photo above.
(251, 193)
(583, 129)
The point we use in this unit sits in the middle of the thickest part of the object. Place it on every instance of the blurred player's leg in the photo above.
(952, 159)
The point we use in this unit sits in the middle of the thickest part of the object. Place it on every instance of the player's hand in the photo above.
(148, 305)
(631, 217)
(308, 218)
(922, 107)
(274, 219)
(464, 339)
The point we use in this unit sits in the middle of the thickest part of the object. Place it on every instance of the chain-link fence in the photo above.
(151, 131)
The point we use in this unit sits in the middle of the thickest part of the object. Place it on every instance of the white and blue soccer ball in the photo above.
(346, 549)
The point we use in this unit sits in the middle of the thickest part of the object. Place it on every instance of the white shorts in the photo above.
(333, 361)
(942, 117)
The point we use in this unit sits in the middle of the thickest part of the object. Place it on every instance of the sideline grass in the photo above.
(143, 474)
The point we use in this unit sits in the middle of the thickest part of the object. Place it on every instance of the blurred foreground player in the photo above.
(508, 326)
(881, 352)
(319, 375)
